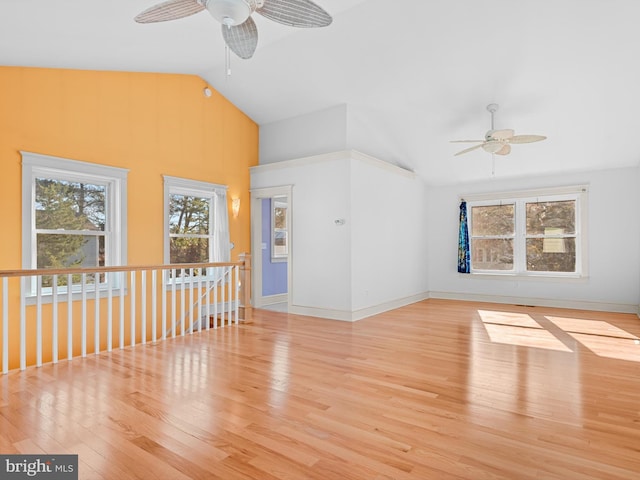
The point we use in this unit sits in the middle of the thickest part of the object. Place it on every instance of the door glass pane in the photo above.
(492, 254)
(492, 220)
(551, 218)
(559, 256)
(188, 214)
(61, 204)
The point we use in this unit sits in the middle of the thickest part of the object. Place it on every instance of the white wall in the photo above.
(320, 277)
(313, 134)
(614, 232)
(375, 259)
(388, 234)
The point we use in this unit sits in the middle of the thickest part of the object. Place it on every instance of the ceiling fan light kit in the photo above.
(238, 28)
(230, 12)
(498, 142)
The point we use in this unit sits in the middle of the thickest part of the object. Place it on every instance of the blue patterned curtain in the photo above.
(464, 256)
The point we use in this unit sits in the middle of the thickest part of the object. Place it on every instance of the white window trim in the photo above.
(185, 186)
(114, 178)
(573, 192)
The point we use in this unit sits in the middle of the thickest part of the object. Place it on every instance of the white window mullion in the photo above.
(520, 241)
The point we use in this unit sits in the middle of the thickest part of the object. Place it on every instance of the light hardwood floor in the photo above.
(436, 390)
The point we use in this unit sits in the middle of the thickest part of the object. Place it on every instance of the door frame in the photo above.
(257, 195)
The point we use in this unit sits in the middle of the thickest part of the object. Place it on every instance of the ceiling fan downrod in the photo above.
(492, 108)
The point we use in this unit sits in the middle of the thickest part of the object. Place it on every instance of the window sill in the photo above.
(47, 297)
(527, 278)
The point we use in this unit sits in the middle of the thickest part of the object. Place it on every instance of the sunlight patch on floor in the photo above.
(601, 337)
(508, 318)
(519, 329)
(525, 337)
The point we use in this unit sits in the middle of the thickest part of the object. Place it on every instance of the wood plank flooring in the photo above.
(436, 390)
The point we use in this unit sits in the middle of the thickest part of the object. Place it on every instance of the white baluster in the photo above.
(230, 308)
(96, 314)
(5, 325)
(222, 296)
(123, 287)
(84, 314)
(173, 303)
(154, 307)
(132, 300)
(23, 323)
(164, 305)
(207, 302)
(69, 316)
(215, 299)
(199, 302)
(143, 306)
(109, 278)
(38, 320)
(237, 284)
(190, 300)
(182, 303)
(54, 319)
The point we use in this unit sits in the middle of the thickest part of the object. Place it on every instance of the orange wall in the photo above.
(152, 124)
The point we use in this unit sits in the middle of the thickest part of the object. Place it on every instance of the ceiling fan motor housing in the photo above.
(231, 12)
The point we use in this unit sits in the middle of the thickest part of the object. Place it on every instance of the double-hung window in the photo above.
(196, 222)
(74, 216)
(532, 233)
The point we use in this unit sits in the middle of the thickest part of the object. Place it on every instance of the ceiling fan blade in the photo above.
(501, 134)
(468, 149)
(171, 10)
(505, 150)
(466, 141)
(526, 138)
(295, 13)
(492, 146)
(242, 39)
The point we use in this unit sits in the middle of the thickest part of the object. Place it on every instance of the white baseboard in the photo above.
(355, 315)
(385, 307)
(539, 302)
(273, 299)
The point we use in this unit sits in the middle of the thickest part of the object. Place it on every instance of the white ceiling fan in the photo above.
(498, 141)
(238, 28)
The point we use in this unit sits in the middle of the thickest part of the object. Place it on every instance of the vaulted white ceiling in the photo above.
(419, 73)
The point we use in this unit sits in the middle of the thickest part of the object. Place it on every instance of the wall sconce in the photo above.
(235, 207)
(206, 92)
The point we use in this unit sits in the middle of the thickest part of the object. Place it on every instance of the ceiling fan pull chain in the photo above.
(227, 60)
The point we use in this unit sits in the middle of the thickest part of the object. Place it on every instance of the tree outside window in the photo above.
(189, 229)
(70, 223)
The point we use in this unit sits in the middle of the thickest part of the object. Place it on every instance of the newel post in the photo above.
(245, 286)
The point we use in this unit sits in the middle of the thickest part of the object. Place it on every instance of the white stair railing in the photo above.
(52, 314)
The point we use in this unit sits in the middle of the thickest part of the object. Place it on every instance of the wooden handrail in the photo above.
(115, 268)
